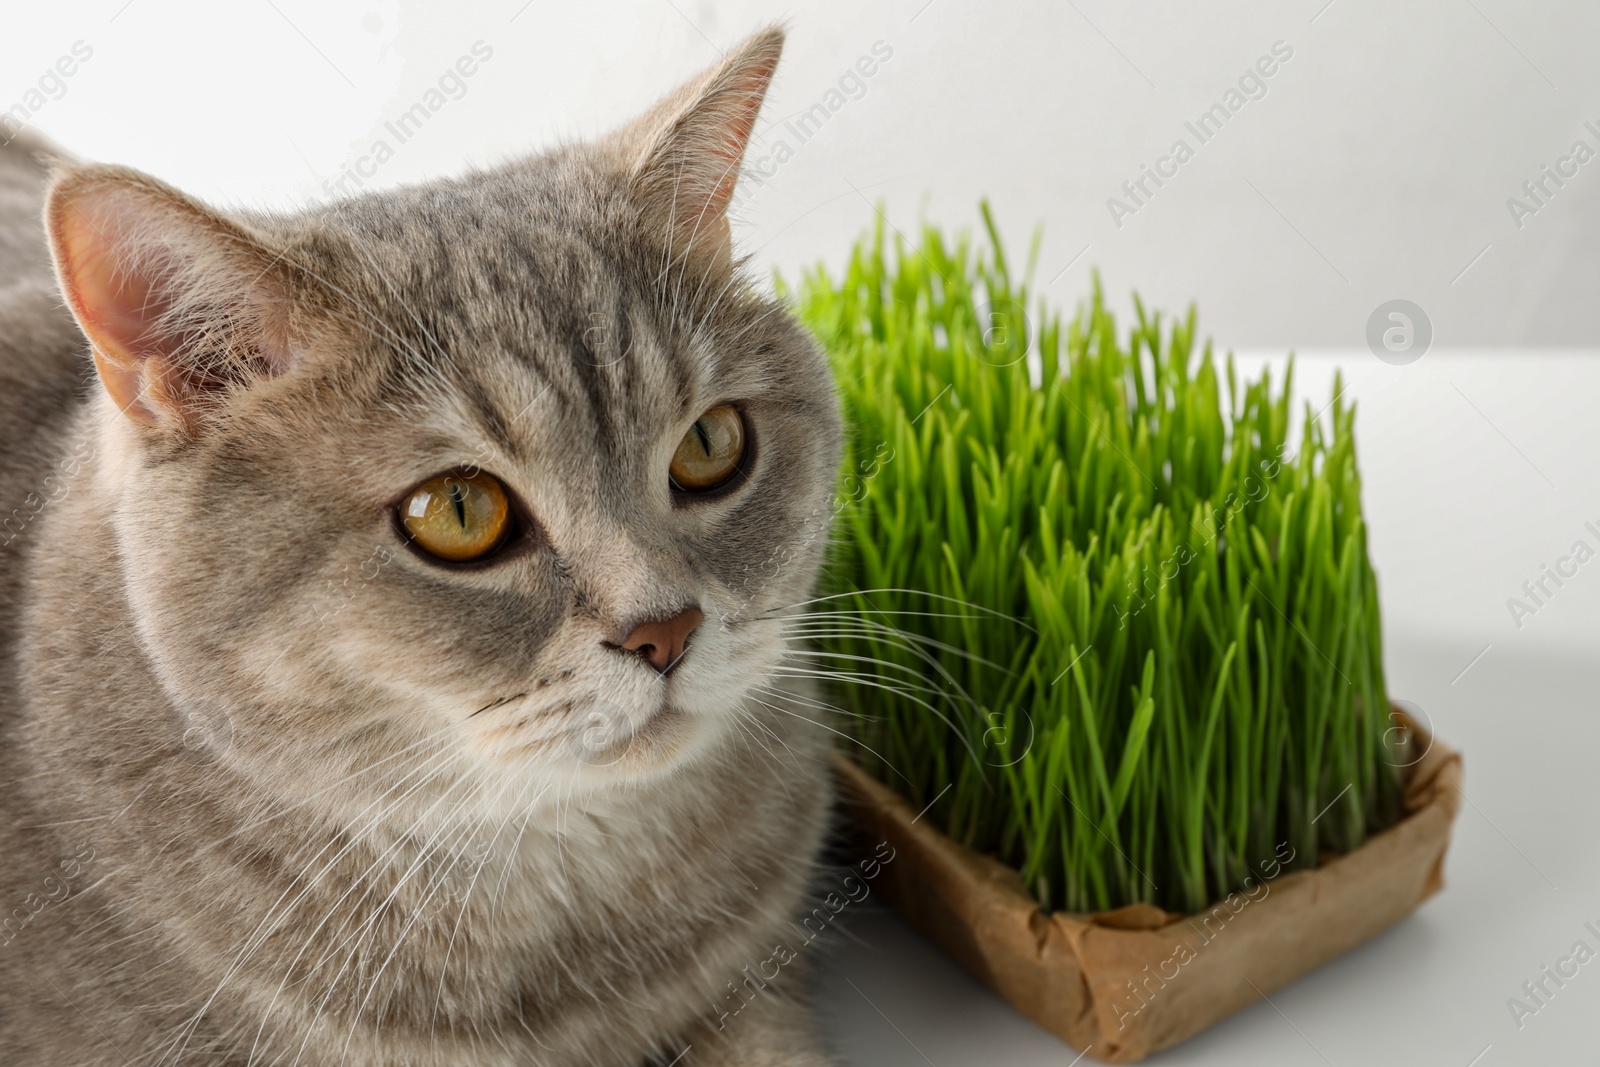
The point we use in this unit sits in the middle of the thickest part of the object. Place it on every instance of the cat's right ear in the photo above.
(180, 303)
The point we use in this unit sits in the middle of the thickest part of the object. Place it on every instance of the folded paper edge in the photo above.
(1059, 969)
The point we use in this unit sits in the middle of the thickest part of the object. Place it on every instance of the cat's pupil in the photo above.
(458, 498)
(703, 437)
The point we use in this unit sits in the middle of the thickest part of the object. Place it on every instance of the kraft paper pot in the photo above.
(1126, 983)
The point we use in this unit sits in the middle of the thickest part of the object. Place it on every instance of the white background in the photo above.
(1377, 166)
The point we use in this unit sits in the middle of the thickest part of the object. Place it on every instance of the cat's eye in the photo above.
(460, 516)
(710, 453)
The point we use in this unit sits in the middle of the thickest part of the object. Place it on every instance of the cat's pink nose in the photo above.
(662, 641)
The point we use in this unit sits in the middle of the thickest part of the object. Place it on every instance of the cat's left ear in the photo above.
(181, 304)
(683, 155)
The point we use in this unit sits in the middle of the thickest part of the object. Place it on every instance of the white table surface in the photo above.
(1459, 521)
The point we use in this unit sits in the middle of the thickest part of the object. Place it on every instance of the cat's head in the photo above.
(513, 471)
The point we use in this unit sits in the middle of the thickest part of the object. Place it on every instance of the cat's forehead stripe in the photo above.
(489, 416)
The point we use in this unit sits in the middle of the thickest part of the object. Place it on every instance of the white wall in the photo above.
(1377, 165)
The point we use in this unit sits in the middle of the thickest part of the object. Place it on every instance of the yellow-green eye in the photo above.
(710, 452)
(458, 516)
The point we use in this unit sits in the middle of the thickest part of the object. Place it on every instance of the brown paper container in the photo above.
(1071, 973)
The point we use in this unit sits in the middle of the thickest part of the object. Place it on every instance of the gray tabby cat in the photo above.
(394, 670)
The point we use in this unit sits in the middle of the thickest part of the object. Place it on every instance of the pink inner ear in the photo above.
(115, 308)
(128, 253)
(125, 307)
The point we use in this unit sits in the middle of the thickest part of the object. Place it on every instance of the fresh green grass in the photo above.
(1102, 614)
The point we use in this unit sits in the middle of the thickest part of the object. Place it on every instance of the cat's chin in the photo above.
(660, 743)
(616, 753)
